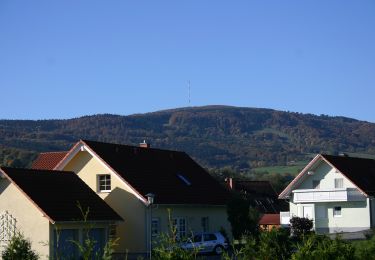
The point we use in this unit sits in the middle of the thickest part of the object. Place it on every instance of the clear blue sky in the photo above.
(63, 59)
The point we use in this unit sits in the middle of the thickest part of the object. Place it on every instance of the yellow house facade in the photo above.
(185, 194)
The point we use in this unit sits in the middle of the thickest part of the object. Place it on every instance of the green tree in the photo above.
(242, 217)
(19, 248)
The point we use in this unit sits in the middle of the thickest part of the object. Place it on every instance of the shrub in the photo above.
(300, 226)
(274, 244)
(322, 247)
(366, 249)
(19, 248)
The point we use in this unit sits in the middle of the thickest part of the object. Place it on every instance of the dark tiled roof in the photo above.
(256, 188)
(48, 161)
(172, 176)
(359, 170)
(270, 219)
(57, 194)
(261, 195)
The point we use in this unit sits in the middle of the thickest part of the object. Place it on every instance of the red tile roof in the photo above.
(270, 219)
(48, 161)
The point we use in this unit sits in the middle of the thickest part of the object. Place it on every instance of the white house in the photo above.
(336, 192)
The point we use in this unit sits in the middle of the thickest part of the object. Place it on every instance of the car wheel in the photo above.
(218, 250)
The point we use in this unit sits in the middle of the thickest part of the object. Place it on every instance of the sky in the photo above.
(64, 59)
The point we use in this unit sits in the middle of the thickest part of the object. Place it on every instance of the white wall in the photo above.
(355, 214)
(326, 174)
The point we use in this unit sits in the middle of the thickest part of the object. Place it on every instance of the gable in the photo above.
(13, 200)
(88, 167)
(326, 175)
(324, 168)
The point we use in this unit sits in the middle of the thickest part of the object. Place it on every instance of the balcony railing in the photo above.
(327, 195)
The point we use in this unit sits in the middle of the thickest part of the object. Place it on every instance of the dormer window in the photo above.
(184, 179)
(104, 183)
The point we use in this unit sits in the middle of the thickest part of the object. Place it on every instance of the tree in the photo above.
(242, 217)
(19, 248)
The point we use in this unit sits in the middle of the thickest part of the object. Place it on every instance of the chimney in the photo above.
(144, 144)
(229, 182)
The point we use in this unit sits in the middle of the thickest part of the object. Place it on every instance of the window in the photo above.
(337, 211)
(63, 246)
(184, 179)
(180, 226)
(209, 237)
(104, 183)
(204, 224)
(155, 227)
(339, 183)
(197, 238)
(316, 184)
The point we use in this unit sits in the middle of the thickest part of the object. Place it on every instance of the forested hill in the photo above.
(216, 136)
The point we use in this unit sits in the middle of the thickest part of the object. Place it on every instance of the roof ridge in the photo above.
(34, 170)
(54, 152)
(133, 146)
(346, 157)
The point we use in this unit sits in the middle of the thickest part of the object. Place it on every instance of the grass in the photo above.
(292, 169)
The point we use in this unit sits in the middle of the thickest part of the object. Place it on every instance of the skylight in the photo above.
(184, 179)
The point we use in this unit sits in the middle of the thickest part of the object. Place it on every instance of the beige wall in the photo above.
(30, 220)
(132, 231)
(217, 217)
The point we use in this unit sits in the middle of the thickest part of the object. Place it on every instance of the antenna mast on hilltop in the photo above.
(189, 91)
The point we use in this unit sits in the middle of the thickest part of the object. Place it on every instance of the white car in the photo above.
(207, 242)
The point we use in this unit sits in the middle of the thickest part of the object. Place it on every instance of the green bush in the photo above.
(274, 244)
(300, 226)
(19, 248)
(321, 247)
(365, 249)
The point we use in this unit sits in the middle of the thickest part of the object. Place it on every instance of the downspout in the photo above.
(370, 208)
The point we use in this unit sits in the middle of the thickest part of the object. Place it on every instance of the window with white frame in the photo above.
(155, 227)
(180, 226)
(337, 211)
(104, 183)
(339, 183)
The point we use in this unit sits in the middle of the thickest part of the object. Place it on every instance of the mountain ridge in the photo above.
(217, 136)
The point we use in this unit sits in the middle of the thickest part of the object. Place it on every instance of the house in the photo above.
(269, 221)
(124, 176)
(48, 207)
(261, 196)
(336, 192)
